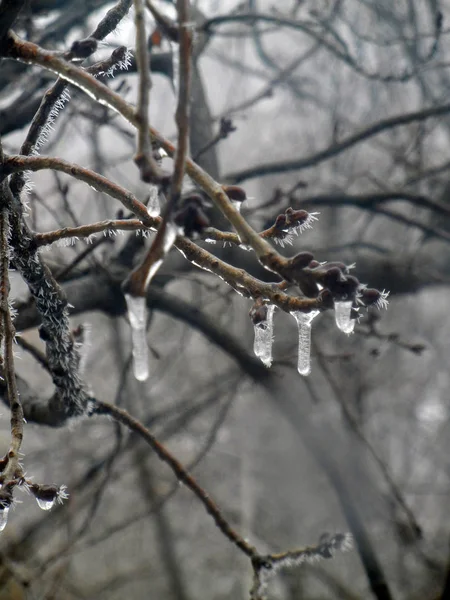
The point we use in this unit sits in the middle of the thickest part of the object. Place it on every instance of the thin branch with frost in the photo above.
(11, 468)
(264, 565)
(95, 180)
(55, 98)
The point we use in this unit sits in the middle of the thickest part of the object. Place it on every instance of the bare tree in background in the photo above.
(268, 114)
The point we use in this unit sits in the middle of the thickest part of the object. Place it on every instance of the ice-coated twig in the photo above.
(137, 314)
(304, 321)
(342, 314)
(264, 337)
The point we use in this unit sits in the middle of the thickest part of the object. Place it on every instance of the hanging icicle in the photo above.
(153, 206)
(264, 336)
(137, 315)
(342, 315)
(304, 321)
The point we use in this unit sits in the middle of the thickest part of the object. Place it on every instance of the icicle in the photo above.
(45, 504)
(172, 231)
(264, 337)
(153, 208)
(342, 312)
(137, 315)
(3, 517)
(304, 321)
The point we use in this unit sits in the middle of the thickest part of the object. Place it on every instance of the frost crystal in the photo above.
(137, 315)
(342, 314)
(382, 301)
(304, 321)
(307, 224)
(264, 337)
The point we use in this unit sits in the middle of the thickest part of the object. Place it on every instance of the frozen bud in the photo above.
(372, 297)
(326, 298)
(314, 264)
(340, 285)
(258, 312)
(84, 48)
(280, 223)
(299, 220)
(46, 495)
(191, 217)
(235, 193)
(119, 54)
(302, 260)
(338, 265)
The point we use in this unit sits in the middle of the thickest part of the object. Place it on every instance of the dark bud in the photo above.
(373, 297)
(280, 223)
(191, 217)
(258, 312)
(340, 265)
(302, 260)
(84, 48)
(326, 298)
(119, 54)
(439, 21)
(341, 286)
(226, 127)
(295, 217)
(235, 193)
(48, 493)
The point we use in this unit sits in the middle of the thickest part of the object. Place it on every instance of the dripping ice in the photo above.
(342, 315)
(304, 321)
(137, 313)
(153, 208)
(45, 504)
(3, 517)
(264, 337)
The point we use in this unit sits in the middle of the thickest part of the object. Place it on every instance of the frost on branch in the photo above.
(262, 317)
(265, 567)
(304, 321)
(290, 223)
(137, 312)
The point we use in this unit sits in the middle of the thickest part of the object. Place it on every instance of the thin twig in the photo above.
(33, 54)
(95, 180)
(148, 167)
(12, 469)
(138, 280)
(122, 416)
